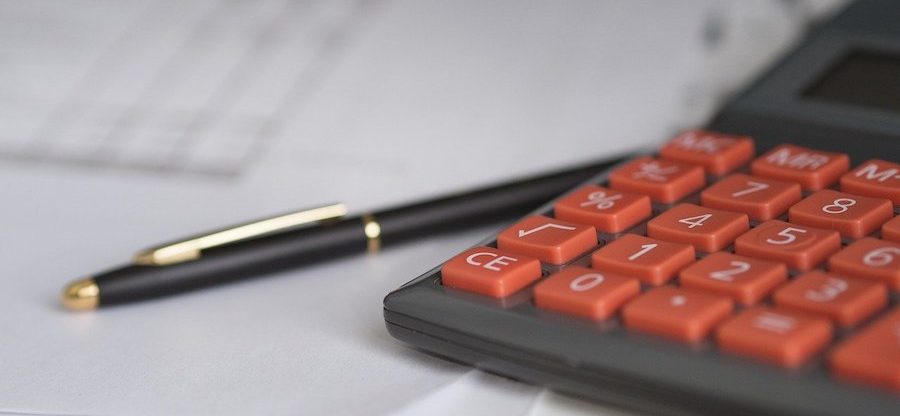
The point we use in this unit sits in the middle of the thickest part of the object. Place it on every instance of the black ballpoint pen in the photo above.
(290, 240)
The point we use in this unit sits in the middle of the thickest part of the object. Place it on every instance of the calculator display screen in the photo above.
(865, 79)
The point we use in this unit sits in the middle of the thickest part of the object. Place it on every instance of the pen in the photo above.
(272, 244)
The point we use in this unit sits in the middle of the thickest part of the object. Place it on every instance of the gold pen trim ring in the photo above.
(372, 229)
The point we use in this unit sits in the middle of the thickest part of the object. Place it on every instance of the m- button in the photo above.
(490, 272)
(876, 178)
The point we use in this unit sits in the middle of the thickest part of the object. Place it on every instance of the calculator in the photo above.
(751, 266)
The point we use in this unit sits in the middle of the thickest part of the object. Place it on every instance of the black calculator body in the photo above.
(837, 95)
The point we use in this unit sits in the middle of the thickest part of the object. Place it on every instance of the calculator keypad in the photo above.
(777, 259)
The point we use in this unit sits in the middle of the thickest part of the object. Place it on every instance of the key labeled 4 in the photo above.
(704, 228)
(844, 301)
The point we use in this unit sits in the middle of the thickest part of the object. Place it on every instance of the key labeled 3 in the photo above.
(845, 301)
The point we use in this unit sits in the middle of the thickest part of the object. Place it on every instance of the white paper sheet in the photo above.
(125, 123)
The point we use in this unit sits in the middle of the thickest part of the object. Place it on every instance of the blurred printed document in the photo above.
(130, 122)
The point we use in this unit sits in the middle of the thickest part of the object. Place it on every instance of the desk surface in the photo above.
(116, 134)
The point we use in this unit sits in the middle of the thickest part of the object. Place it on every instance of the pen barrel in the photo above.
(232, 262)
(482, 207)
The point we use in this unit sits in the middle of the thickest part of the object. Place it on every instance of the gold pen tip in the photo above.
(81, 295)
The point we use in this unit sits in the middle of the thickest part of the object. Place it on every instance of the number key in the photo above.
(845, 301)
(761, 199)
(652, 261)
(743, 279)
(584, 292)
(706, 229)
(853, 216)
(869, 258)
(801, 247)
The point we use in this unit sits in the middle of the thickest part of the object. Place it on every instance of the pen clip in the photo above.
(191, 248)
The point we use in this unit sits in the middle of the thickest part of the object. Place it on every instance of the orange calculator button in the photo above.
(891, 230)
(776, 336)
(813, 169)
(845, 301)
(706, 229)
(743, 279)
(652, 261)
(549, 240)
(799, 246)
(876, 178)
(490, 272)
(584, 292)
(676, 313)
(853, 216)
(717, 153)
(607, 210)
(761, 199)
(871, 356)
(662, 180)
(869, 258)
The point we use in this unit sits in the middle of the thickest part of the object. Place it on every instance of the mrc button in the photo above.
(490, 272)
